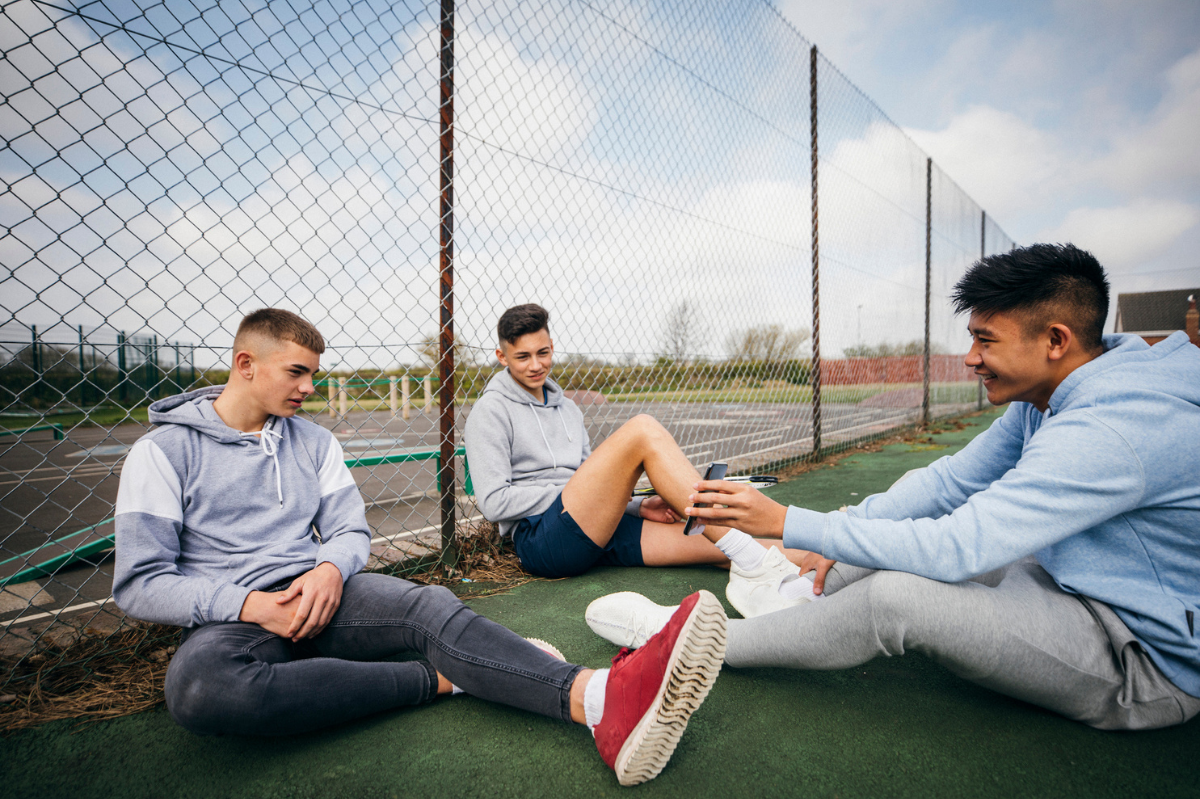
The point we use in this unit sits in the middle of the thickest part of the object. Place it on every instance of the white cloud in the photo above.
(1163, 151)
(1003, 161)
(1126, 236)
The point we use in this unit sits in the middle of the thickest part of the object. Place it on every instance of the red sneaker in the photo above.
(653, 691)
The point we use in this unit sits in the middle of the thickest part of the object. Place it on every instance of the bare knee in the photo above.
(648, 429)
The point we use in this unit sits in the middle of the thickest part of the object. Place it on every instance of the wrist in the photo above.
(249, 612)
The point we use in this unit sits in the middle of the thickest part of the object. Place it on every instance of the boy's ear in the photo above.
(1060, 337)
(500, 356)
(243, 364)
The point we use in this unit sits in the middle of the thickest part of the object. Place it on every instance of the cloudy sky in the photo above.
(614, 160)
(1070, 120)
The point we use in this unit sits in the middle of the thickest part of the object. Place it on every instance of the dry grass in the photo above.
(93, 677)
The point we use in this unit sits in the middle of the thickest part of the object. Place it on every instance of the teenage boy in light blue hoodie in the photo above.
(1056, 558)
(242, 524)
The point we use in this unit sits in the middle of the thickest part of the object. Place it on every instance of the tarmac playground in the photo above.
(895, 727)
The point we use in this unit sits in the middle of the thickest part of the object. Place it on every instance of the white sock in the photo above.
(742, 550)
(455, 690)
(593, 699)
(796, 586)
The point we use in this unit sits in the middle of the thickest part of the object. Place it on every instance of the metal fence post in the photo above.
(816, 260)
(446, 283)
(928, 282)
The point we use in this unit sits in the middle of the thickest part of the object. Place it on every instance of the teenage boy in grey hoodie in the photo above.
(568, 508)
(242, 524)
(1056, 558)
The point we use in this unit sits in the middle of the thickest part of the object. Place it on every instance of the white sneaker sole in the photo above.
(546, 647)
(695, 662)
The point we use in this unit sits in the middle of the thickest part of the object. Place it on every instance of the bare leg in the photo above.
(598, 492)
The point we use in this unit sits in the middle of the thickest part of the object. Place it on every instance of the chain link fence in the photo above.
(729, 235)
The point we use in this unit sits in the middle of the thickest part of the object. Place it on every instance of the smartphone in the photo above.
(715, 471)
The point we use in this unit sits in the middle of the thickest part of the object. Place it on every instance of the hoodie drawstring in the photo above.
(545, 440)
(268, 447)
(564, 423)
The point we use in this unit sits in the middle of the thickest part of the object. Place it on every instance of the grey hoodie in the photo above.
(521, 451)
(206, 514)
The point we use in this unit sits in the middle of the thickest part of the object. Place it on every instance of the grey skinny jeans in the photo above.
(237, 678)
(1013, 631)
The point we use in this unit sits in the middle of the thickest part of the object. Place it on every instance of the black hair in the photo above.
(1044, 282)
(521, 320)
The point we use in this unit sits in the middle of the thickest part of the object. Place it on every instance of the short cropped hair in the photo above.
(1044, 283)
(277, 324)
(521, 320)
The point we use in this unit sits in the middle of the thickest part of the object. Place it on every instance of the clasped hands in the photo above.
(302, 610)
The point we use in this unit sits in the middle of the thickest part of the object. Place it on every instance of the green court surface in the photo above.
(896, 727)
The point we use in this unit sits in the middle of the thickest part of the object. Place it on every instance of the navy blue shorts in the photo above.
(552, 545)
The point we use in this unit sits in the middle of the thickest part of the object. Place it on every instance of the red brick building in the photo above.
(1154, 315)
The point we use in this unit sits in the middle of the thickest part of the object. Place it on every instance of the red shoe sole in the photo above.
(695, 662)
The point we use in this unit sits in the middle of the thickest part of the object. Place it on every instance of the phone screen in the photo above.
(715, 471)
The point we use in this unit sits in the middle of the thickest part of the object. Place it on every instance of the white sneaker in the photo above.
(626, 618)
(756, 592)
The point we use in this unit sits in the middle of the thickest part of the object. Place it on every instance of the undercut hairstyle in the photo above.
(1044, 284)
(278, 325)
(521, 320)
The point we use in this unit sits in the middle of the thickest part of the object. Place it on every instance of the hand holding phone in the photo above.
(715, 471)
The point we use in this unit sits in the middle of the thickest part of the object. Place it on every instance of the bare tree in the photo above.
(681, 328)
(765, 343)
(431, 352)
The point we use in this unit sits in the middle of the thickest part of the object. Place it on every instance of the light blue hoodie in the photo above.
(206, 514)
(1104, 488)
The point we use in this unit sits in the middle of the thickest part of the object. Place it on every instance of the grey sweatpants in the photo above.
(1013, 631)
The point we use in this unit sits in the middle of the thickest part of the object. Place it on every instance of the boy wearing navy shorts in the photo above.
(568, 508)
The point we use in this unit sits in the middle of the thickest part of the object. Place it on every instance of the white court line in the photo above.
(382, 539)
(38, 616)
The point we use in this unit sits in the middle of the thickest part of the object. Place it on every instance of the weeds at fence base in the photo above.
(93, 677)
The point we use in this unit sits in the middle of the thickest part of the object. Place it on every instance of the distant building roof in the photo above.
(1153, 311)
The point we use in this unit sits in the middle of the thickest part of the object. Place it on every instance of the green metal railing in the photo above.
(47, 568)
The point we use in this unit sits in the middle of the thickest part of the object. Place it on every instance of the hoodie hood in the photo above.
(506, 386)
(195, 410)
(1132, 370)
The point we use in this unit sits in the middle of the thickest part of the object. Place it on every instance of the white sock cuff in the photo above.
(742, 550)
(593, 699)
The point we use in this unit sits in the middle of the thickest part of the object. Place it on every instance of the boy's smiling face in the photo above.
(528, 360)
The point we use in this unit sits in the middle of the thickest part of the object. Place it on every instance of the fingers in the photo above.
(303, 611)
(819, 577)
(319, 619)
(294, 590)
